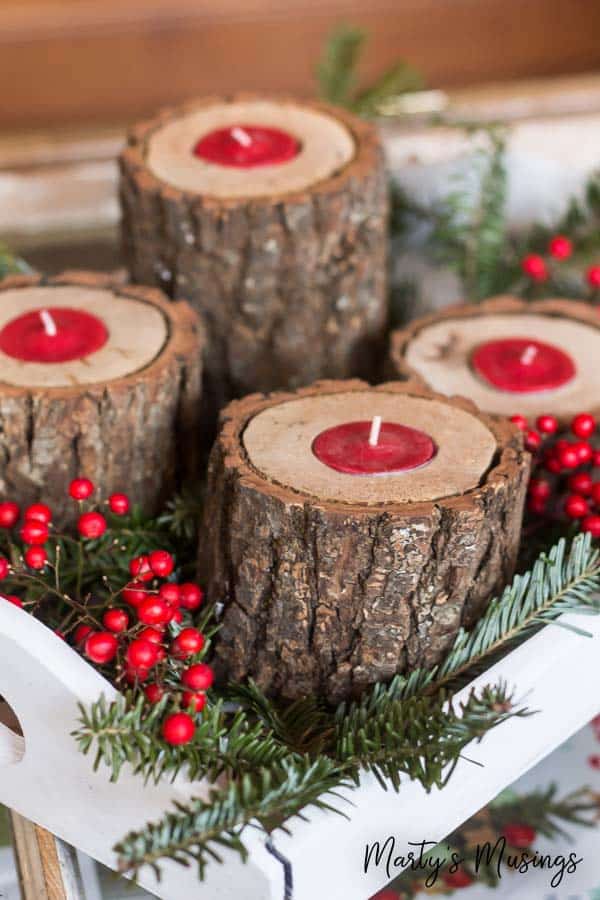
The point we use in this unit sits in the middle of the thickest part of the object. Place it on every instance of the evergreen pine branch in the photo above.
(559, 582)
(400, 79)
(543, 810)
(336, 73)
(422, 737)
(199, 829)
(223, 743)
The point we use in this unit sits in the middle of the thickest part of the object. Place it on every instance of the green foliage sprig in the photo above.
(337, 75)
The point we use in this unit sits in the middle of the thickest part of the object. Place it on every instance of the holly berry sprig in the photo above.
(140, 633)
(563, 485)
(541, 269)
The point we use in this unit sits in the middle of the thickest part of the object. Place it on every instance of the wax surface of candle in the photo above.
(346, 448)
(53, 335)
(522, 365)
(246, 146)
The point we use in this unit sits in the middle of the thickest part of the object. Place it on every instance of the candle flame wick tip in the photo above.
(48, 323)
(375, 429)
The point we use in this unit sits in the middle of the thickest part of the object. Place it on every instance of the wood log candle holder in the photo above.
(508, 355)
(332, 581)
(275, 231)
(96, 379)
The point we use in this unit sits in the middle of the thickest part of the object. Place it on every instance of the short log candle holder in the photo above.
(509, 356)
(96, 379)
(351, 531)
(269, 216)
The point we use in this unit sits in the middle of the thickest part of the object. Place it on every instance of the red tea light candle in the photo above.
(55, 335)
(523, 365)
(507, 355)
(373, 448)
(247, 146)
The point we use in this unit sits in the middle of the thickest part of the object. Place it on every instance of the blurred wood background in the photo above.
(94, 61)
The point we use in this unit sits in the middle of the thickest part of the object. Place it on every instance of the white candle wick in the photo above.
(375, 429)
(241, 136)
(48, 323)
(528, 355)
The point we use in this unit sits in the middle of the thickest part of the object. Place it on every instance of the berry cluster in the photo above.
(539, 269)
(143, 634)
(563, 486)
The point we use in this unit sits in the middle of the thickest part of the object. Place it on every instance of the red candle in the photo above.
(246, 146)
(373, 448)
(522, 365)
(53, 335)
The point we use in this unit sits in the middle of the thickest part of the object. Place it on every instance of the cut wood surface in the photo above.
(436, 350)
(291, 286)
(328, 597)
(125, 434)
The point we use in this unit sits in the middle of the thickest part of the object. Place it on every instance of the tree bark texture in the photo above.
(136, 434)
(329, 598)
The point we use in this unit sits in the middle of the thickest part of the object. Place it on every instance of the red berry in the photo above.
(80, 634)
(119, 504)
(36, 557)
(140, 568)
(533, 441)
(135, 593)
(191, 595)
(154, 693)
(116, 620)
(552, 464)
(534, 267)
(187, 642)
(537, 505)
(517, 835)
(161, 563)
(560, 247)
(593, 277)
(457, 879)
(101, 647)
(142, 654)
(576, 506)
(595, 492)
(81, 488)
(584, 451)
(547, 424)
(177, 617)
(4, 567)
(9, 514)
(594, 762)
(170, 594)
(151, 634)
(91, 525)
(38, 511)
(134, 676)
(539, 488)
(178, 728)
(198, 677)
(154, 611)
(583, 425)
(34, 532)
(10, 598)
(568, 457)
(596, 458)
(195, 700)
(581, 483)
(591, 524)
(520, 421)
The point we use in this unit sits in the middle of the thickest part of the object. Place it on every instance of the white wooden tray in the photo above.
(45, 778)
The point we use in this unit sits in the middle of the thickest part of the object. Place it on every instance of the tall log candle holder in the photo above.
(96, 379)
(270, 217)
(340, 563)
(508, 355)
